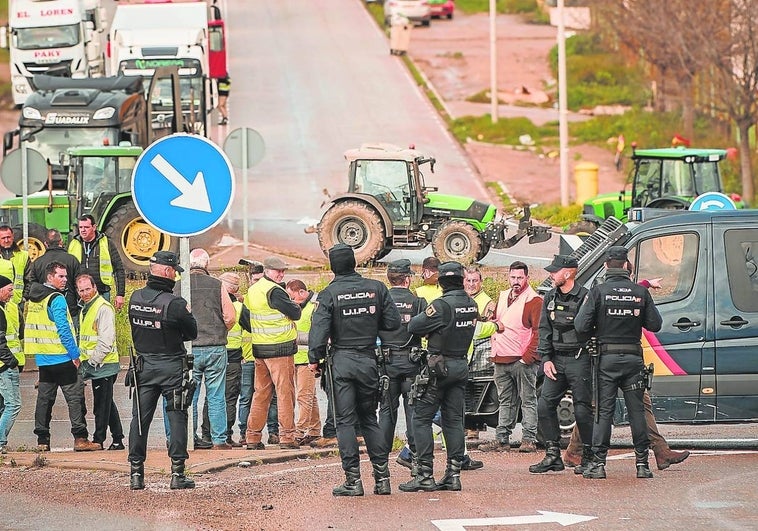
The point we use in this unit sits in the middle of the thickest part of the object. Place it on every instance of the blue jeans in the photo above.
(10, 402)
(247, 386)
(516, 385)
(210, 362)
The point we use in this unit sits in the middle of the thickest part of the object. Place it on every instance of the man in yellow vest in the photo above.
(99, 258)
(49, 335)
(97, 342)
(247, 378)
(10, 390)
(14, 263)
(274, 336)
(429, 290)
(308, 423)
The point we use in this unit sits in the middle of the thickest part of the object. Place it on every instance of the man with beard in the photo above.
(565, 367)
(514, 352)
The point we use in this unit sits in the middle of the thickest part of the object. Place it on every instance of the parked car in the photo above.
(417, 11)
(442, 8)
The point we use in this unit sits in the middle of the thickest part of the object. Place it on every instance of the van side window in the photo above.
(742, 267)
(673, 259)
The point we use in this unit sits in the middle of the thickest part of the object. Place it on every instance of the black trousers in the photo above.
(620, 371)
(66, 377)
(159, 376)
(105, 410)
(574, 374)
(356, 378)
(447, 395)
(401, 372)
(233, 380)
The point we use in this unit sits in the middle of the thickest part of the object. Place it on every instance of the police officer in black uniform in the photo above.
(351, 311)
(449, 324)
(160, 323)
(397, 345)
(615, 312)
(564, 364)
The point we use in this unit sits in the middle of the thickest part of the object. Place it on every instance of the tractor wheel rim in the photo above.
(457, 244)
(352, 233)
(141, 241)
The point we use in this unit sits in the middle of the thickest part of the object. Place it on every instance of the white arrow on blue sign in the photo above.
(183, 184)
(713, 201)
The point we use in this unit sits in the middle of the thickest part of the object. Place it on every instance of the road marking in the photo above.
(545, 517)
(193, 196)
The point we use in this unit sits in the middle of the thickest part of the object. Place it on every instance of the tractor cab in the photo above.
(393, 178)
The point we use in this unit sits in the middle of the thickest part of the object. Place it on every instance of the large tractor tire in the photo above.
(483, 250)
(37, 234)
(582, 228)
(458, 241)
(135, 239)
(355, 224)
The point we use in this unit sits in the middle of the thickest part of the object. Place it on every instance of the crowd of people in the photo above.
(260, 356)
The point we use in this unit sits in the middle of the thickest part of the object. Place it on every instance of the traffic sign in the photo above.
(713, 201)
(36, 171)
(183, 184)
(244, 147)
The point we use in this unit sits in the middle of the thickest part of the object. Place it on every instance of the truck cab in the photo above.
(56, 37)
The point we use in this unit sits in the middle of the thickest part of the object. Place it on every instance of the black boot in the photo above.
(137, 476)
(452, 478)
(552, 460)
(643, 468)
(586, 459)
(414, 464)
(353, 486)
(178, 479)
(596, 468)
(382, 479)
(422, 481)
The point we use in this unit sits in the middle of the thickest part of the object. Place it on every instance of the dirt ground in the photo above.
(454, 56)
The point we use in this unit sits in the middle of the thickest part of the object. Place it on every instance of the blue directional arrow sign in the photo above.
(713, 201)
(183, 184)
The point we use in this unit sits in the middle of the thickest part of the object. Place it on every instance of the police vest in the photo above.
(106, 267)
(11, 332)
(234, 337)
(622, 312)
(303, 325)
(268, 326)
(454, 339)
(358, 305)
(40, 333)
(409, 306)
(562, 310)
(429, 292)
(148, 310)
(88, 332)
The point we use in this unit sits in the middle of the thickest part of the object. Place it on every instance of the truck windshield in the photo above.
(52, 141)
(47, 37)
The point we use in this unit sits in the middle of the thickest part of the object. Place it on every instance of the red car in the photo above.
(442, 8)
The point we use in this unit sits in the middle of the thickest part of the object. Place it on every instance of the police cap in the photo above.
(167, 258)
(402, 266)
(451, 269)
(562, 261)
(617, 253)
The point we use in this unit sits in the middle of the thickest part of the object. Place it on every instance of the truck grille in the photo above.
(62, 68)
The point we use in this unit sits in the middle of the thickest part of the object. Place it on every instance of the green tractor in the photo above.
(667, 178)
(100, 184)
(388, 206)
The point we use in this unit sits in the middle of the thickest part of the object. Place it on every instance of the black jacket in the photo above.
(73, 268)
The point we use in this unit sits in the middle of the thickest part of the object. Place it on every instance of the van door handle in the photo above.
(735, 322)
(684, 323)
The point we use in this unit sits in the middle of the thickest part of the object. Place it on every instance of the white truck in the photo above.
(55, 37)
(146, 36)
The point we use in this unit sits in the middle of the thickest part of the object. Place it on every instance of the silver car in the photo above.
(417, 11)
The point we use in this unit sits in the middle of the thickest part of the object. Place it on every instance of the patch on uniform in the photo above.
(430, 311)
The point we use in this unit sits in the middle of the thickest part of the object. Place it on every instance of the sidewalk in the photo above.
(158, 462)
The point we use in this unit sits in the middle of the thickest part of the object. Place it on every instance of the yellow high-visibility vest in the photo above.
(268, 326)
(88, 332)
(11, 332)
(106, 267)
(40, 333)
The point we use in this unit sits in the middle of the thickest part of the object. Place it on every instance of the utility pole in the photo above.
(563, 105)
(493, 61)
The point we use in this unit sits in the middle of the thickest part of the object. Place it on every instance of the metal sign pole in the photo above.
(186, 293)
(245, 229)
(24, 192)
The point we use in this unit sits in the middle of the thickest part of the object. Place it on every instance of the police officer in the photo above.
(616, 311)
(351, 311)
(449, 323)
(161, 322)
(564, 365)
(397, 345)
